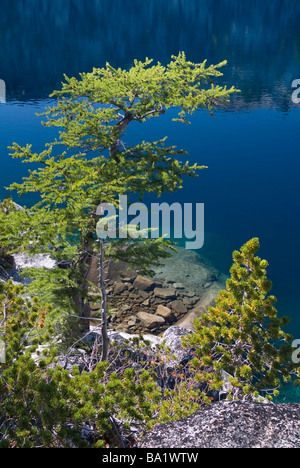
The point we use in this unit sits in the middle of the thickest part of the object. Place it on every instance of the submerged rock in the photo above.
(187, 322)
(206, 301)
(178, 307)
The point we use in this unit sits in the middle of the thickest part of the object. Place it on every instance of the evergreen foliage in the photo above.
(90, 164)
(46, 405)
(243, 335)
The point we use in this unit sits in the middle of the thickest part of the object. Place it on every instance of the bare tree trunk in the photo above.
(119, 128)
(103, 304)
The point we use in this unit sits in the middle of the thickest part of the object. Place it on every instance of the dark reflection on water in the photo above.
(42, 40)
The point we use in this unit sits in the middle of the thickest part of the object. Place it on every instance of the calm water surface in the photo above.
(251, 186)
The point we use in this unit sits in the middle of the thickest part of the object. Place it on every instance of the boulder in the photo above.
(143, 294)
(150, 321)
(132, 321)
(165, 312)
(165, 293)
(120, 269)
(34, 261)
(178, 307)
(172, 338)
(120, 337)
(95, 306)
(119, 287)
(231, 425)
(188, 302)
(143, 283)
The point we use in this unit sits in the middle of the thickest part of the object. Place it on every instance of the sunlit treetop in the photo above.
(94, 110)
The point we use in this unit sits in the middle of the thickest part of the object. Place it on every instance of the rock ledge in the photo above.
(231, 425)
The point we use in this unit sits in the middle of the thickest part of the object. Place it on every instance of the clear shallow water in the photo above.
(251, 186)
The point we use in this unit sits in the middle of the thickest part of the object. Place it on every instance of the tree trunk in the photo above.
(105, 342)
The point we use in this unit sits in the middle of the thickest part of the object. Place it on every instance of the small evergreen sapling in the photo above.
(242, 335)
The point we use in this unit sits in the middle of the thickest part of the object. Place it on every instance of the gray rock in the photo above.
(122, 338)
(231, 425)
(178, 286)
(120, 288)
(209, 297)
(34, 261)
(187, 302)
(165, 293)
(143, 283)
(150, 321)
(19, 207)
(143, 294)
(178, 307)
(165, 312)
(173, 339)
(132, 321)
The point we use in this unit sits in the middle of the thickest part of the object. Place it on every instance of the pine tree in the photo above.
(90, 164)
(243, 334)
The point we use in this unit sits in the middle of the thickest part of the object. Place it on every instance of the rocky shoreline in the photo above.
(180, 290)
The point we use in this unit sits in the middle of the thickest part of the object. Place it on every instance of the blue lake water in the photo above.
(251, 186)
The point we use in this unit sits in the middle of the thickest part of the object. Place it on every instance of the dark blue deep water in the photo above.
(251, 187)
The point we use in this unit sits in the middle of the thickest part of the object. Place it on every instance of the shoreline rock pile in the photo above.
(179, 291)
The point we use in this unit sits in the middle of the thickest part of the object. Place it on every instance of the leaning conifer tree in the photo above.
(243, 334)
(90, 164)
